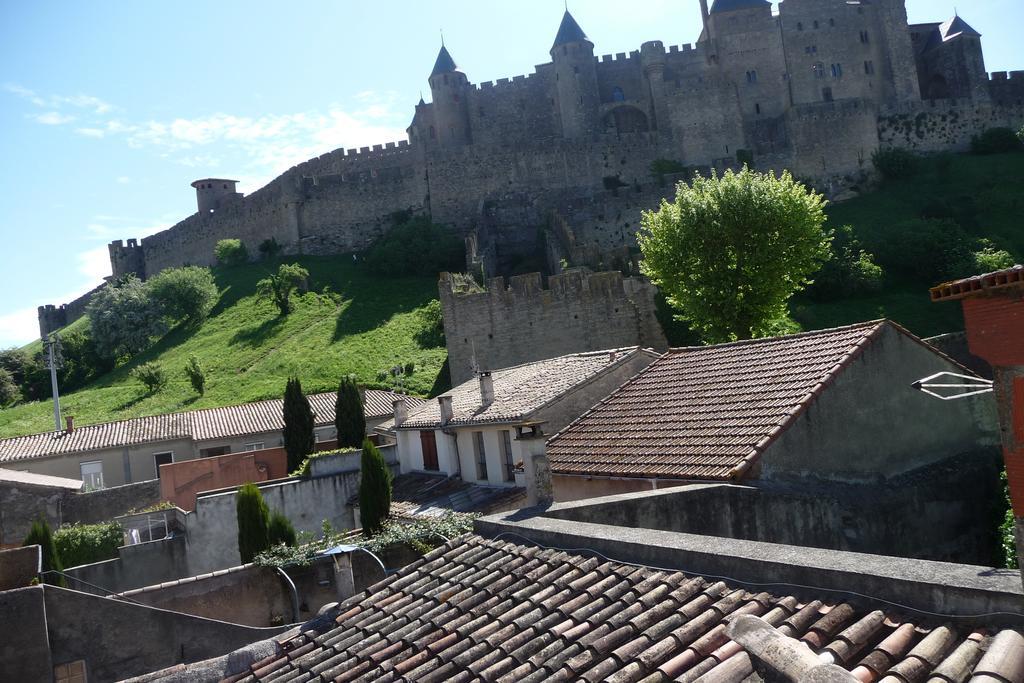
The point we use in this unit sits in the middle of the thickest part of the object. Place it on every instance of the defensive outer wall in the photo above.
(520, 322)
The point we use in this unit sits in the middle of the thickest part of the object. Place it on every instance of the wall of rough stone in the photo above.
(943, 125)
(55, 317)
(520, 321)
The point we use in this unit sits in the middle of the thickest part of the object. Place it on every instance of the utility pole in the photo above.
(54, 361)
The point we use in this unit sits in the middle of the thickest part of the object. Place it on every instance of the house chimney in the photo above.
(486, 389)
(611, 356)
(70, 421)
(400, 410)
(536, 466)
(445, 404)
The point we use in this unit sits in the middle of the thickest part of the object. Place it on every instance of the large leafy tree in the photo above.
(349, 416)
(123, 318)
(278, 287)
(299, 440)
(184, 294)
(253, 517)
(374, 489)
(731, 250)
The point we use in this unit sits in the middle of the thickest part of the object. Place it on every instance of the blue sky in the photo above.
(108, 110)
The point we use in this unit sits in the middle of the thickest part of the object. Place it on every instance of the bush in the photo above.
(996, 141)
(82, 360)
(184, 294)
(895, 162)
(253, 522)
(123, 318)
(374, 490)
(270, 249)
(431, 332)
(79, 544)
(41, 535)
(416, 247)
(349, 414)
(151, 375)
(990, 258)
(9, 391)
(231, 252)
(850, 272)
(299, 440)
(280, 530)
(927, 251)
(196, 375)
(278, 287)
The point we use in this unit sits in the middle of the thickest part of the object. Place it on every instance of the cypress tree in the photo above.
(281, 530)
(349, 416)
(253, 522)
(40, 534)
(299, 441)
(374, 489)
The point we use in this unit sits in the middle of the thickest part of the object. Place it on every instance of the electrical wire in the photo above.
(598, 553)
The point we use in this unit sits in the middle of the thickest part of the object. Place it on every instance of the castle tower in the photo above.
(575, 79)
(895, 32)
(449, 88)
(652, 56)
(213, 193)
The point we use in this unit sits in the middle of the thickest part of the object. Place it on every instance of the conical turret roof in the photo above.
(444, 64)
(569, 31)
(956, 27)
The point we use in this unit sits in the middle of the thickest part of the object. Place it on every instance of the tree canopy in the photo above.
(123, 318)
(278, 287)
(731, 250)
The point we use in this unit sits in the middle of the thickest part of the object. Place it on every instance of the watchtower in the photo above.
(575, 79)
(213, 193)
(449, 89)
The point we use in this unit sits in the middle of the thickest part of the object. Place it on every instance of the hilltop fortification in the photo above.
(814, 87)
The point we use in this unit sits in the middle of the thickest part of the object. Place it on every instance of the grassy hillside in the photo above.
(986, 193)
(248, 351)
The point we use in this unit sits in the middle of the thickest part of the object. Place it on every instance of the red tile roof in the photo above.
(706, 412)
(485, 610)
(199, 425)
(970, 286)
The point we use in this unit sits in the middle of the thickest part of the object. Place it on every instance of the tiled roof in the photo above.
(956, 27)
(705, 412)
(485, 610)
(200, 425)
(432, 495)
(519, 391)
(969, 286)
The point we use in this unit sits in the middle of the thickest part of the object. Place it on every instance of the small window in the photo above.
(811, 49)
(618, 95)
(324, 433)
(869, 68)
(481, 456)
(225, 186)
(831, 22)
(433, 133)
(254, 446)
(575, 69)
(826, 94)
(752, 77)
(865, 38)
(92, 475)
(799, 26)
(815, 23)
(506, 456)
(819, 70)
(757, 109)
(162, 459)
(73, 672)
(214, 451)
(446, 79)
(837, 71)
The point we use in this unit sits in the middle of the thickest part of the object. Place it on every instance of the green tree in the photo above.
(416, 246)
(184, 294)
(151, 375)
(196, 375)
(349, 415)
(732, 249)
(278, 287)
(280, 530)
(40, 534)
(270, 249)
(374, 489)
(9, 391)
(231, 252)
(850, 272)
(299, 440)
(253, 522)
(123, 319)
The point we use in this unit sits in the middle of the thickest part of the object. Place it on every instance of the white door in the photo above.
(92, 475)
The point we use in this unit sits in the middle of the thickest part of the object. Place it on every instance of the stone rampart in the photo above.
(521, 321)
(53, 318)
(944, 125)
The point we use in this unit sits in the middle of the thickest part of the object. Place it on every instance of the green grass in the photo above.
(988, 194)
(248, 351)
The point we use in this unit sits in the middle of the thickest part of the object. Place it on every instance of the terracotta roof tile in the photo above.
(447, 619)
(706, 412)
(972, 286)
(199, 425)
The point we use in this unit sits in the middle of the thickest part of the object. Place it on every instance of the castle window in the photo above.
(811, 49)
(618, 95)
(826, 94)
(225, 186)
(865, 38)
(575, 69)
(815, 23)
(819, 70)
(799, 26)
(757, 109)
(831, 22)
(446, 79)
(752, 77)
(837, 71)
(869, 68)
(433, 133)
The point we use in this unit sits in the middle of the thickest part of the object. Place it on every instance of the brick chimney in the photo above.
(400, 410)
(445, 404)
(993, 306)
(69, 420)
(486, 389)
(536, 466)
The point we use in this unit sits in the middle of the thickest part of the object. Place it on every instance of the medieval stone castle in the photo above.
(557, 165)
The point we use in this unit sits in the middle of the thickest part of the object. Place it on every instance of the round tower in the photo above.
(652, 56)
(449, 88)
(212, 193)
(575, 79)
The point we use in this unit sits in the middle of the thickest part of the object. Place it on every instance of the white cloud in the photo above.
(90, 132)
(53, 118)
(123, 180)
(18, 327)
(94, 264)
(25, 94)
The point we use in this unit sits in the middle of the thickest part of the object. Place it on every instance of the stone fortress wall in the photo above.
(815, 87)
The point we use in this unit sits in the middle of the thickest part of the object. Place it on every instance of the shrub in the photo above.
(850, 272)
(349, 414)
(278, 287)
(79, 544)
(990, 258)
(431, 332)
(9, 391)
(151, 375)
(374, 489)
(82, 360)
(231, 252)
(996, 141)
(184, 294)
(422, 535)
(123, 318)
(280, 530)
(895, 162)
(196, 375)
(40, 534)
(416, 247)
(270, 249)
(253, 522)
(299, 440)
(926, 250)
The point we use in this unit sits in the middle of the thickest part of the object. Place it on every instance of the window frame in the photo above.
(81, 472)
(508, 462)
(480, 455)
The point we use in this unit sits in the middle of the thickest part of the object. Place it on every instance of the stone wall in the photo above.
(136, 566)
(522, 322)
(53, 318)
(18, 566)
(944, 125)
